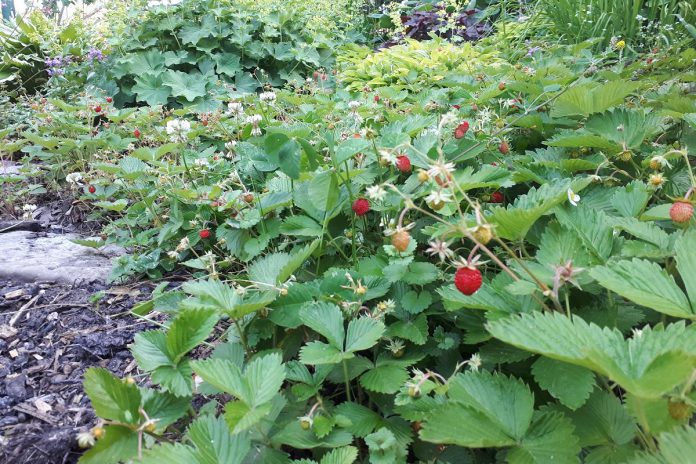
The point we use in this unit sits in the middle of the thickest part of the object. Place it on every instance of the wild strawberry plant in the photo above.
(498, 267)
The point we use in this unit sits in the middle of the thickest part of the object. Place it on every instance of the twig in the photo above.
(25, 307)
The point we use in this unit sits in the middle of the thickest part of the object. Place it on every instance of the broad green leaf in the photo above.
(320, 353)
(603, 420)
(363, 333)
(323, 190)
(643, 230)
(569, 384)
(215, 444)
(462, 425)
(384, 379)
(264, 375)
(685, 247)
(119, 444)
(225, 376)
(345, 455)
(514, 221)
(171, 453)
(504, 400)
(550, 438)
(648, 365)
(593, 228)
(645, 283)
(589, 98)
(111, 397)
(301, 226)
(189, 329)
(150, 350)
(189, 86)
(676, 447)
(284, 152)
(327, 320)
(164, 407)
(150, 89)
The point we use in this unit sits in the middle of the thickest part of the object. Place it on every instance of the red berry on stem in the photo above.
(109, 99)
(681, 211)
(461, 130)
(92, 189)
(97, 109)
(376, 98)
(204, 234)
(361, 206)
(467, 280)
(136, 133)
(496, 197)
(504, 148)
(403, 163)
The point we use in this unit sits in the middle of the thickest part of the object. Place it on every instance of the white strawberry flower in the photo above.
(573, 197)
(178, 129)
(439, 248)
(235, 108)
(441, 168)
(439, 196)
(74, 178)
(268, 97)
(376, 193)
(387, 156)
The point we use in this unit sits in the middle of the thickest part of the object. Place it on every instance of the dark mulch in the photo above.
(43, 356)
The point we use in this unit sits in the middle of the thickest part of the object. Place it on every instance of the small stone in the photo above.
(16, 387)
(7, 331)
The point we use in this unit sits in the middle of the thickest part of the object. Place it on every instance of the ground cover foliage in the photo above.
(474, 245)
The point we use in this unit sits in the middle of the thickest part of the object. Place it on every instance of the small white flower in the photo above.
(387, 156)
(178, 129)
(376, 193)
(183, 244)
(230, 145)
(256, 131)
(201, 162)
(439, 196)
(173, 254)
(254, 119)
(573, 197)
(29, 207)
(268, 97)
(235, 108)
(74, 178)
(439, 248)
(475, 362)
(353, 105)
(441, 168)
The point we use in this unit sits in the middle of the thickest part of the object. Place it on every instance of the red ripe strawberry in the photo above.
(376, 98)
(92, 189)
(501, 86)
(403, 164)
(467, 280)
(496, 197)
(361, 206)
(136, 133)
(461, 130)
(504, 148)
(681, 211)
(204, 234)
(109, 99)
(456, 107)
(97, 109)
(315, 75)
